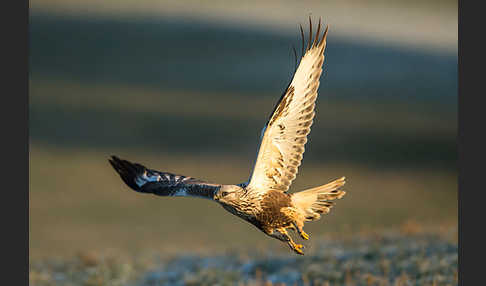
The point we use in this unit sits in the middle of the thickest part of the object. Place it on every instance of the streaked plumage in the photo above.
(263, 200)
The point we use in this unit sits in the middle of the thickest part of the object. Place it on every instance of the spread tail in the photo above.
(313, 202)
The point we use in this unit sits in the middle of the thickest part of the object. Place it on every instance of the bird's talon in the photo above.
(304, 235)
(298, 248)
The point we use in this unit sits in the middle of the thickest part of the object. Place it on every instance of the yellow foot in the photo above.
(298, 248)
(304, 235)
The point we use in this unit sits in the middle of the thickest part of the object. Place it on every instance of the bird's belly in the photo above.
(271, 206)
(274, 219)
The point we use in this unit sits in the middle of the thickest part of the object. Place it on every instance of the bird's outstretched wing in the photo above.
(285, 134)
(144, 180)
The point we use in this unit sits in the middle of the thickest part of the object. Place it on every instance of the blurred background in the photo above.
(186, 86)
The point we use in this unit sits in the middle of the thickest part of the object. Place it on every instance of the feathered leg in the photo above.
(300, 230)
(297, 220)
(298, 248)
(282, 234)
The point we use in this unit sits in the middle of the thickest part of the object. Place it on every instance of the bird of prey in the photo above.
(263, 200)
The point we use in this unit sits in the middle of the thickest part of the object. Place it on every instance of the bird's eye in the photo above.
(224, 194)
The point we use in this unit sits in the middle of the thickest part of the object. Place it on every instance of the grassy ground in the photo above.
(407, 256)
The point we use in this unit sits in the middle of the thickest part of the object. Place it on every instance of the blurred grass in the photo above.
(409, 117)
(395, 133)
(390, 258)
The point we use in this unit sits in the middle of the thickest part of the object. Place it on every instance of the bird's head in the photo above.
(229, 195)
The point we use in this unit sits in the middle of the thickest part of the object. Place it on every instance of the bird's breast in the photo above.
(271, 204)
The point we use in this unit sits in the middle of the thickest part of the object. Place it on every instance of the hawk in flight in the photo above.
(263, 200)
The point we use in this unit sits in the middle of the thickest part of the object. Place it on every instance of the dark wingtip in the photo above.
(114, 162)
(317, 33)
(303, 39)
(310, 34)
(295, 59)
(313, 41)
(324, 36)
(128, 171)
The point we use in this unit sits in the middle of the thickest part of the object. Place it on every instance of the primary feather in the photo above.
(285, 134)
(144, 180)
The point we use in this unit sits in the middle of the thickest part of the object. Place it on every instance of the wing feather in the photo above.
(285, 134)
(144, 180)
